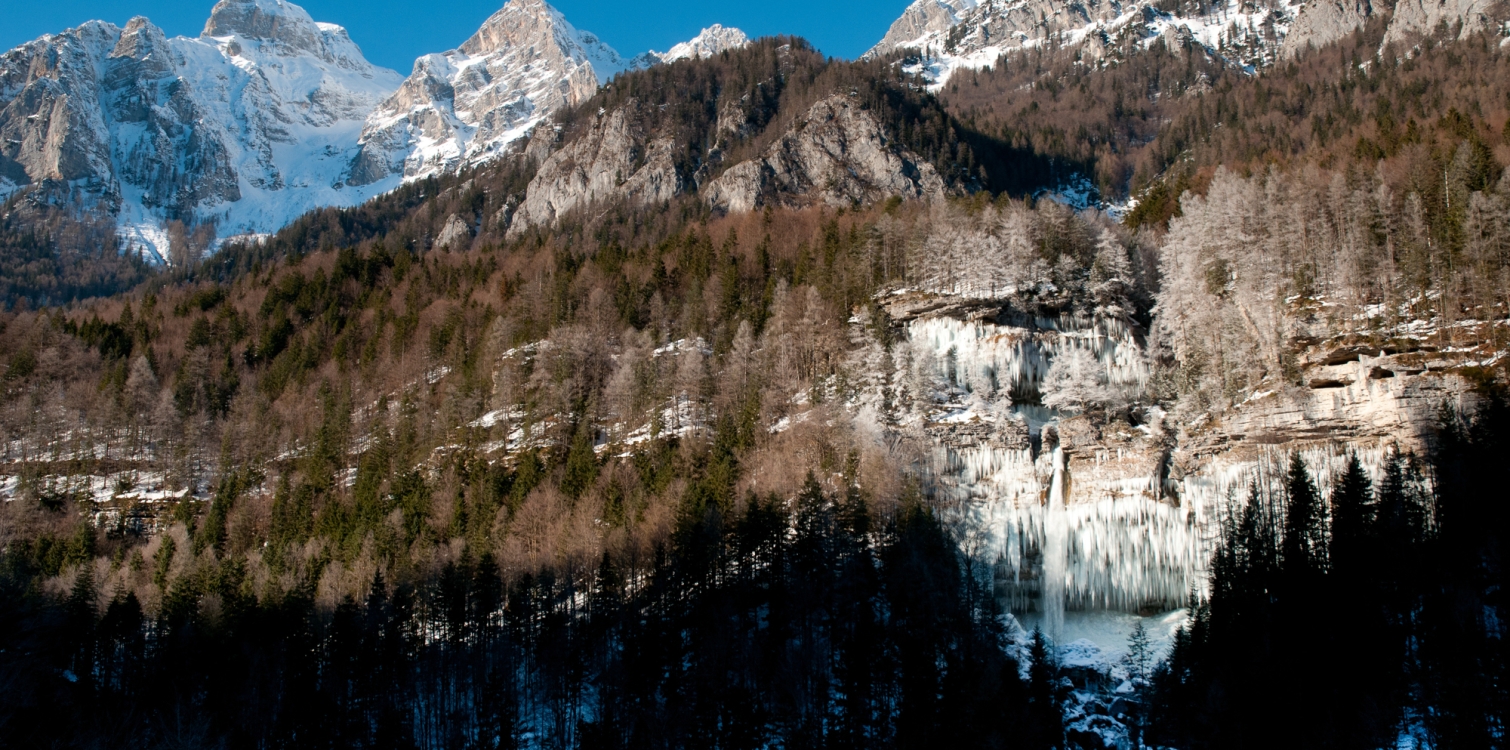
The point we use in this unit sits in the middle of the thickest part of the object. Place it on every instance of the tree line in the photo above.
(1360, 615)
(814, 622)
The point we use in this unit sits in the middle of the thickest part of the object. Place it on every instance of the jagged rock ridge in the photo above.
(708, 42)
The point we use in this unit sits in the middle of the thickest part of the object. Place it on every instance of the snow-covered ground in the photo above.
(1098, 638)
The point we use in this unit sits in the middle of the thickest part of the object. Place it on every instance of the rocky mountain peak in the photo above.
(141, 40)
(466, 105)
(921, 18)
(709, 42)
(246, 126)
(519, 22)
(142, 53)
(273, 20)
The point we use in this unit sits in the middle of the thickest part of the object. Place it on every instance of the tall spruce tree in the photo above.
(1303, 554)
(1046, 720)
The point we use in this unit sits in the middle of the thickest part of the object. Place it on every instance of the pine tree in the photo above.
(1352, 521)
(81, 619)
(1139, 652)
(1046, 721)
(1303, 555)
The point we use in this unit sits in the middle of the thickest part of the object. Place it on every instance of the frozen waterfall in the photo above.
(1054, 549)
(1087, 524)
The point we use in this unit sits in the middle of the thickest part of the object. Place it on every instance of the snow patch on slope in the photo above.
(1247, 34)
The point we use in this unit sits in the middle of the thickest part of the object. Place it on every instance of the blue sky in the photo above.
(394, 32)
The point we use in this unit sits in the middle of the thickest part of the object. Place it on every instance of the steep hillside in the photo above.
(1346, 104)
(771, 124)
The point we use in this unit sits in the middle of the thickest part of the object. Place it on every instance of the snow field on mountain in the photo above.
(1232, 29)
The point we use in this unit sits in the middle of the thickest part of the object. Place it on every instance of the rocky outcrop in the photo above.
(1322, 22)
(1349, 393)
(837, 154)
(1413, 18)
(52, 126)
(468, 104)
(455, 233)
(921, 19)
(614, 159)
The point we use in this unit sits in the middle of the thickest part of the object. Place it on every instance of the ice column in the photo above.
(1055, 550)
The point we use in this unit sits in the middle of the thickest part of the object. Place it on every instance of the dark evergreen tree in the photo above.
(1303, 555)
(1351, 546)
(1045, 719)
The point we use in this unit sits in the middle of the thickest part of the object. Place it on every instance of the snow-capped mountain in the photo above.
(248, 125)
(708, 42)
(970, 34)
(268, 113)
(467, 105)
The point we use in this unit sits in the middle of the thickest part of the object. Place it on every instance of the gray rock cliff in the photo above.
(837, 155)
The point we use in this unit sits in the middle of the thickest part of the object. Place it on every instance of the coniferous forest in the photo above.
(1352, 616)
(829, 628)
(842, 468)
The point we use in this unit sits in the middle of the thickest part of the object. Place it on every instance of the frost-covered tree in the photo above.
(1075, 380)
(981, 254)
(1111, 276)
